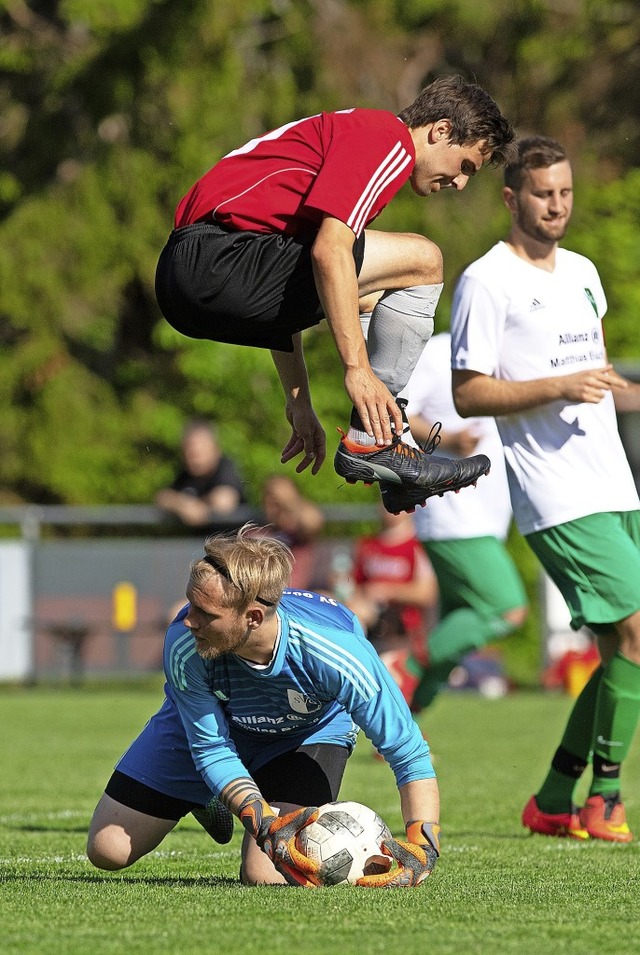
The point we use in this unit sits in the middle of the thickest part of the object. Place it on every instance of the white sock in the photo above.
(400, 327)
(353, 434)
(396, 333)
(360, 437)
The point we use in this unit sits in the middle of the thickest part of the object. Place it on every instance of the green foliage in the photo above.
(106, 18)
(110, 110)
(607, 221)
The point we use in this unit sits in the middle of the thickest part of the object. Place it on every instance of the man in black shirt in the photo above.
(208, 483)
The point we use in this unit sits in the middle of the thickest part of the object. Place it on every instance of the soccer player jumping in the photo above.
(274, 237)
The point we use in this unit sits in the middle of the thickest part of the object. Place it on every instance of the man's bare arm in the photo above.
(307, 434)
(483, 395)
(337, 285)
(627, 398)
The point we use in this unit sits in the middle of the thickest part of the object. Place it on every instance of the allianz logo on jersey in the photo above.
(301, 703)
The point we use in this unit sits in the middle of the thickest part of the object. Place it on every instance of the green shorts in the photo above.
(595, 563)
(476, 572)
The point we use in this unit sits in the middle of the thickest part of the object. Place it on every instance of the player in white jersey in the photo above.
(266, 689)
(482, 598)
(528, 348)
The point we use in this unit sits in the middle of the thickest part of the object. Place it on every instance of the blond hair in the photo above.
(251, 567)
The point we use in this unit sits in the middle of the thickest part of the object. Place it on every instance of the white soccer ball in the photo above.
(346, 841)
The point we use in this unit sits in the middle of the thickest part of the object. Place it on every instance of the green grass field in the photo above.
(496, 889)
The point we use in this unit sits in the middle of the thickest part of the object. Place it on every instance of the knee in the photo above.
(430, 262)
(108, 853)
(261, 875)
(256, 867)
(626, 641)
(421, 262)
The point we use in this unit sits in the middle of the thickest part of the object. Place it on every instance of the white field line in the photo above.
(81, 857)
(43, 860)
(22, 817)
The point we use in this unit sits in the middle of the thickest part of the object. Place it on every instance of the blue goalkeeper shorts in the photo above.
(157, 775)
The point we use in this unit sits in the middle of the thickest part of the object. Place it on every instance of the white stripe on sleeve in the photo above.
(337, 658)
(391, 166)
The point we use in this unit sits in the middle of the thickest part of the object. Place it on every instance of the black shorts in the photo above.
(245, 288)
(307, 776)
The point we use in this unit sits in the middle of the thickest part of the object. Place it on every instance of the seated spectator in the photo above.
(395, 593)
(296, 521)
(208, 483)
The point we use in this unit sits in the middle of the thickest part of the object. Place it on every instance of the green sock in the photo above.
(457, 634)
(578, 733)
(616, 717)
(556, 793)
(433, 679)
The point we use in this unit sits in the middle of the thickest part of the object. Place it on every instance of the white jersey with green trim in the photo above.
(517, 322)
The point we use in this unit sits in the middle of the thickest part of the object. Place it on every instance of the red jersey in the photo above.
(375, 560)
(346, 164)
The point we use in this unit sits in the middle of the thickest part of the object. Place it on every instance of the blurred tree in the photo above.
(606, 229)
(110, 110)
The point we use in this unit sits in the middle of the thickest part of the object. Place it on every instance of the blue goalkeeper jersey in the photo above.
(324, 682)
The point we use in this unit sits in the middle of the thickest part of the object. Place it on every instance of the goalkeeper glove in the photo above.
(277, 837)
(415, 858)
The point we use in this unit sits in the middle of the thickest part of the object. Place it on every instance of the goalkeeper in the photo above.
(265, 690)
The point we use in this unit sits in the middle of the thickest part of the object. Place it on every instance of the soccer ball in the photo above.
(346, 840)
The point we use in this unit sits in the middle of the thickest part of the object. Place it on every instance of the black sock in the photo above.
(556, 793)
(355, 421)
(568, 764)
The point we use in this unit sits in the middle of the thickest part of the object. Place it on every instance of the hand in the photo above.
(374, 403)
(415, 859)
(592, 385)
(191, 510)
(307, 436)
(463, 442)
(277, 838)
(378, 592)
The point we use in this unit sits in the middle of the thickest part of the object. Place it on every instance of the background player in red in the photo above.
(273, 238)
(395, 596)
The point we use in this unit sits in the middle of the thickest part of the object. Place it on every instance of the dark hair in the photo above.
(534, 152)
(473, 114)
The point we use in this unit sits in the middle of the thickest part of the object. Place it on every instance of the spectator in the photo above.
(208, 484)
(296, 521)
(395, 594)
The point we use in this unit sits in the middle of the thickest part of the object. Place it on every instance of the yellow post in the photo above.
(124, 607)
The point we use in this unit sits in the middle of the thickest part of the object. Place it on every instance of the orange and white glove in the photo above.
(415, 859)
(276, 836)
